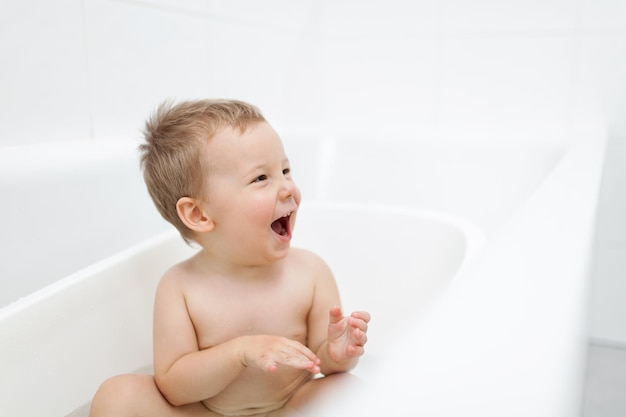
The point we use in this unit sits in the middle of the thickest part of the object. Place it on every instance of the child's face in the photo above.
(252, 198)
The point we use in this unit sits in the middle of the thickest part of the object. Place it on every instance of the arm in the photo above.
(183, 373)
(338, 341)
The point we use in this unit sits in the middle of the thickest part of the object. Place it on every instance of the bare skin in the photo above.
(242, 327)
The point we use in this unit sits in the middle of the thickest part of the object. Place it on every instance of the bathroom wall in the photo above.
(77, 71)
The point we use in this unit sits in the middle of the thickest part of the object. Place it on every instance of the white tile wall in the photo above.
(272, 15)
(375, 19)
(82, 69)
(379, 79)
(600, 90)
(506, 80)
(603, 15)
(176, 6)
(140, 56)
(505, 16)
(253, 64)
(43, 78)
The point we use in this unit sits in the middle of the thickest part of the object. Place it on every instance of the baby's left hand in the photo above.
(347, 335)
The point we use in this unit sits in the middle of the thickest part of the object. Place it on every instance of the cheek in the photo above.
(261, 207)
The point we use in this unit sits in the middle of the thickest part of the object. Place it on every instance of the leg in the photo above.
(136, 395)
(318, 394)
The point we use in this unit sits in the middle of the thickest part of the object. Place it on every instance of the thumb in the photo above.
(335, 314)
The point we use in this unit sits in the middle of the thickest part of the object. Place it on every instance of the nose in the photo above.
(288, 189)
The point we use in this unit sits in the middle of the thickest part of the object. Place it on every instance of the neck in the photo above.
(234, 269)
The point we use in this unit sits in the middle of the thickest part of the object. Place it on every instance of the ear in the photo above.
(191, 213)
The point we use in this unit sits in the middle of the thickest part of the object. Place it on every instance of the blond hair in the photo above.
(174, 137)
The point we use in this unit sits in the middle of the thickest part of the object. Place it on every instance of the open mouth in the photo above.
(281, 226)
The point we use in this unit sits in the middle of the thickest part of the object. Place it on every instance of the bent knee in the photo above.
(119, 394)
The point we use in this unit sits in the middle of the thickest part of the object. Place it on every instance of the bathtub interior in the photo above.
(70, 336)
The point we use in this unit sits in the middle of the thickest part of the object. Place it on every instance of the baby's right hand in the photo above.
(267, 352)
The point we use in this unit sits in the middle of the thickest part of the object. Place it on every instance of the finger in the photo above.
(360, 338)
(355, 350)
(314, 368)
(301, 357)
(358, 324)
(335, 315)
(302, 362)
(363, 315)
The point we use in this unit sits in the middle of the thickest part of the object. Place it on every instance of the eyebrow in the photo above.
(264, 165)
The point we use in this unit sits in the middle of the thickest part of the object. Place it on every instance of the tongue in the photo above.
(279, 227)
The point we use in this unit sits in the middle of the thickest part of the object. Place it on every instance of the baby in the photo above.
(242, 327)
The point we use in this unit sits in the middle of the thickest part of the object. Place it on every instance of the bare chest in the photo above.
(222, 312)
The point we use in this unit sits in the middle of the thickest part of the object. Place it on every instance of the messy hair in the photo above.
(175, 135)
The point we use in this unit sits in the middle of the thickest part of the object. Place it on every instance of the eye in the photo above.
(260, 178)
(286, 171)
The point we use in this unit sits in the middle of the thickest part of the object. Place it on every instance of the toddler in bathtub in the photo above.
(240, 328)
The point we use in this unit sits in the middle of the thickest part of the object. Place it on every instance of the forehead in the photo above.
(231, 147)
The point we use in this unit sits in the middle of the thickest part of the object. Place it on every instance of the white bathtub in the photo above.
(456, 329)
(65, 339)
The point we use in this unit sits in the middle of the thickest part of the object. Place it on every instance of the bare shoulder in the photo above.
(177, 275)
(308, 258)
